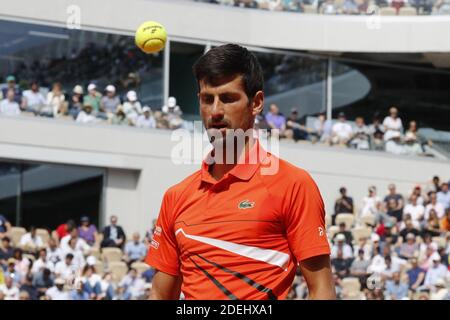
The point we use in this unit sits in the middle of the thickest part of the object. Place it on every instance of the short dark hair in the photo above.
(228, 60)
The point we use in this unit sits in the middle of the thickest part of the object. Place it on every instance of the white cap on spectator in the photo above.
(171, 102)
(60, 281)
(439, 283)
(410, 236)
(78, 89)
(147, 286)
(435, 257)
(340, 237)
(131, 95)
(146, 108)
(91, 260)
(110, 88)
(91, 87)
(375, 237)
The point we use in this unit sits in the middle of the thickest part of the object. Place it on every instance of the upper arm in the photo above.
(165, 286)
(318, 276)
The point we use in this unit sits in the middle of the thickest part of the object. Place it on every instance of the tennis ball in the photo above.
(151, 37)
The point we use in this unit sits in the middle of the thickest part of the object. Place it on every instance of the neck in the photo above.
(218, 170)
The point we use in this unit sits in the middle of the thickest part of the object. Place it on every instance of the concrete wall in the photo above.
(139, 166)
(190, 20)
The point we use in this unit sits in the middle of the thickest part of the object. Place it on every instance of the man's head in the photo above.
(273, 109)
(396, 277)
(433, 197)
(444, 187)
(6, 242)
(113, 220)
(43, 253)
(85, 221)
(359, 121)
(393, 112)
(34, 86)
(32, 231)
(436, 180)
(136, 237)
(341, 117)
(11, 81)
(230, 81)
(413, 126)
(10, 95)
(410, 238)
(391, 188)
(92, 89)
(59, 283)
(413, 199)
(110, 90)
(343, 191)
(413, 262)
(8, 281)
(69, 259)
(342, 226)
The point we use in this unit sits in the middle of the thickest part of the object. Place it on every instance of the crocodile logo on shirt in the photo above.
(246, 204)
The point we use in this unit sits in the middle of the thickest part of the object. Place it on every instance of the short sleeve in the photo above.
(305, 219)
(163, 251)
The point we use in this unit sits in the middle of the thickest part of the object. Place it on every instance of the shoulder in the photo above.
(175, 192)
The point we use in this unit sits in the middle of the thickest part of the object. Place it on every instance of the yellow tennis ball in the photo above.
(151, 37)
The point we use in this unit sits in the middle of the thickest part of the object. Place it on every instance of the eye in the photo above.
(229, 98)
(207, 99)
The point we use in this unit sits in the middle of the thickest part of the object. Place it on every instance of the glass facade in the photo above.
(46, 195)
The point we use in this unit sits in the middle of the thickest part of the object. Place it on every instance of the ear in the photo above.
(258, 103)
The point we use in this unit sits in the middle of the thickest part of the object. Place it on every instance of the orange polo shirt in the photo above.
(242, 236)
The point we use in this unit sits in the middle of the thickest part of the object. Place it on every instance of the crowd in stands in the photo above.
(73, 263)
(382, 135)
(88, 105)
(441, 7)
(392, 248)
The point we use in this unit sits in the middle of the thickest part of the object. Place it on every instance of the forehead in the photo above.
(231, 83)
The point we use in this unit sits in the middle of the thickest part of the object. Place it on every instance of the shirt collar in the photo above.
(244, 169)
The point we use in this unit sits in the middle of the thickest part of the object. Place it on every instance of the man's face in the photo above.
(392, 189)
(444, 187)
(10, 95)
(136, 237)
(34, 87)
(11, 84)
(6, 244)
(225, 105)
(274, 109)
(113, 220)
(359, 122)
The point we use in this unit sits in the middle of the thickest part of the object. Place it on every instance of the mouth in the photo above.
(219, 126)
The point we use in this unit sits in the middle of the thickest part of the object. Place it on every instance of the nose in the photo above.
(217, 111)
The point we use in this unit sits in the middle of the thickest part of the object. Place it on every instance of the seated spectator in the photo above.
(54, 253)
(42, 262)
(390, 268)
(412, 143)
(171, 113)
(132, 107)
(343, 204)
(76, 102)
(33, 100)
(78, 256)
(443, 196)
(58, 291)
(56, 102)
(91, 282)
(9, 107)
(394, 144)
(341, 132)
(87, 231)
(434, 205)
(5, 226)
(80, 244)
(369, 205)
(11, 85)
(328, 7)
(63, 229)
(432, 226)
(65, 269)
(395, 288)
(341, 265)
(135, 250)
(323, 128)
(416, 275)
(113, 235)
(350, 7)
(295, 128)
(436, 271)
(43, 280)
(22, 264)
(359, 267)
(93, 99)
(410, 248)
(393, 126)
(442, 7)
(12, 271)
(347, 234)
(133, 283)
(276, 121)
(110, 101)
(10, 291)
(86, 114)
(79, 293)
(361, 135)
(106, 287)
(394, 203)
(415, 210)
(440, 291)
(408, 228)
(6, 251)
(417, 191)
(30, 241)
(120, 118)
(29, 288)
(340, 244)
(146, 120)
(377, 263)
(364, 245)
(376, 130)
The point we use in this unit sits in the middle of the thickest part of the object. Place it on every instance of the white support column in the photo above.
(329, 89)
